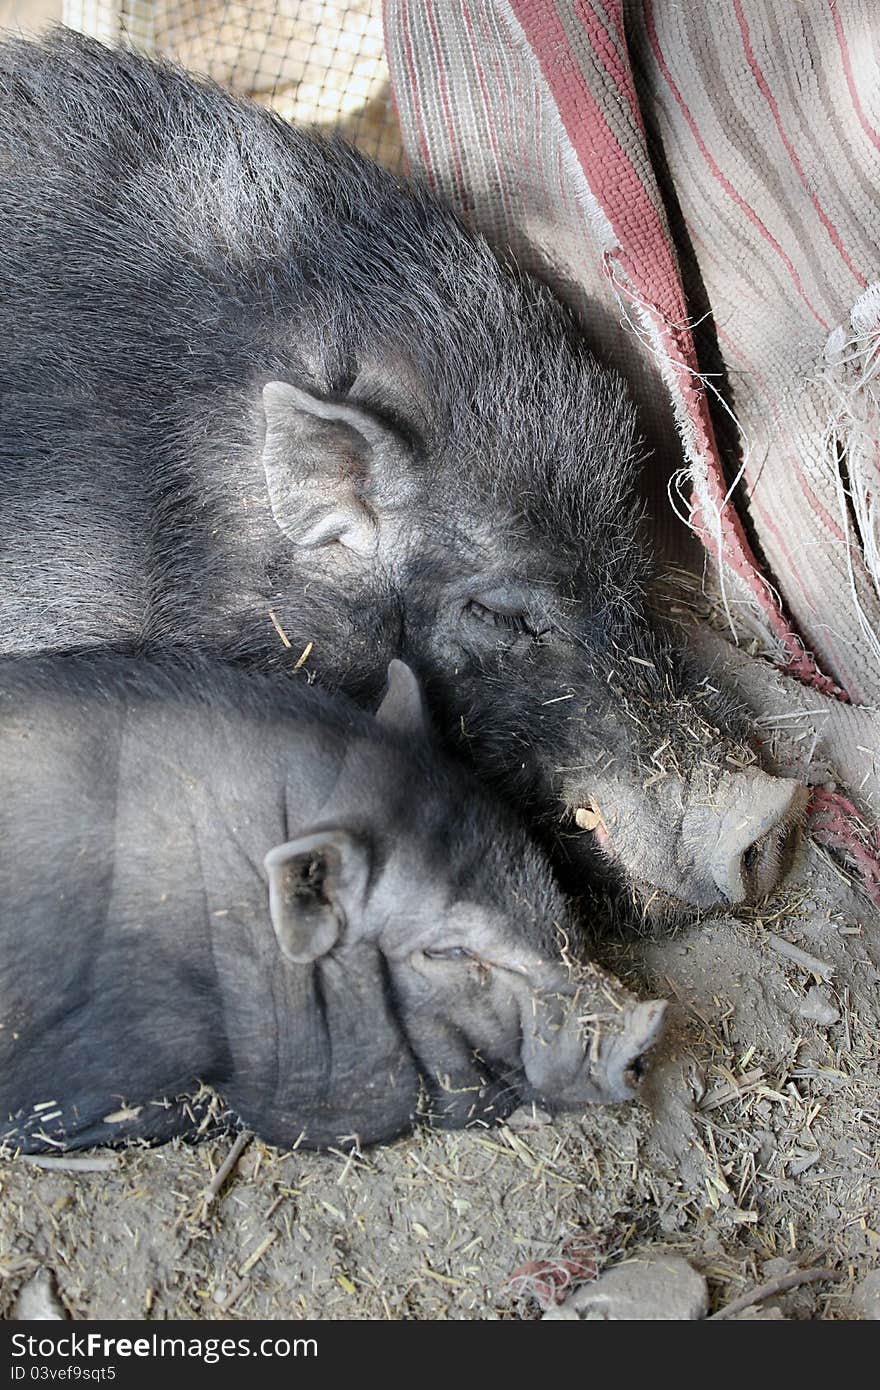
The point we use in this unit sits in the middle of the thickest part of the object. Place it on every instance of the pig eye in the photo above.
(449, 953)
(499, 617)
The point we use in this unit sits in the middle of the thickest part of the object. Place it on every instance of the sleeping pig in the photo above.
(214, 877)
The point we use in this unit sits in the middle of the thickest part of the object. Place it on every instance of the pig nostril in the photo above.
(637, 1068)
(757, 868)
(642, 1028)
(766, 861)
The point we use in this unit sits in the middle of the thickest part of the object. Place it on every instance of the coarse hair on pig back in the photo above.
(282, 238)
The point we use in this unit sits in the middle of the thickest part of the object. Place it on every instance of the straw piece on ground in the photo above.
(802, 958)
(777, 1286)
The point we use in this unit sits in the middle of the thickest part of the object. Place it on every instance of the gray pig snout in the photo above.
(572, 1059)
(758, 839)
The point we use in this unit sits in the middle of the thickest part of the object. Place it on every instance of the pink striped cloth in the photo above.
(698, 180)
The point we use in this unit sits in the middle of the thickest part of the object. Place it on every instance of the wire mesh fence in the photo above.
(315, 62)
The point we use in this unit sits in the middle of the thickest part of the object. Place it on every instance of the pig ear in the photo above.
(317, 889)
(322, 461)
(403, 706)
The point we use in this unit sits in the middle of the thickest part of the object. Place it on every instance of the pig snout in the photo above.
(623, 1055)
(712, 841)
(757, 838)
(576, 1060)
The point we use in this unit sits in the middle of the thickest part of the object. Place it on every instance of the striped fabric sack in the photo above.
(698, 180)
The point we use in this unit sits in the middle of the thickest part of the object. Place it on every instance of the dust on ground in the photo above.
(757, 1152)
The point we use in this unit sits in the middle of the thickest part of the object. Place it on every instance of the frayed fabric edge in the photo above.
(851, 443)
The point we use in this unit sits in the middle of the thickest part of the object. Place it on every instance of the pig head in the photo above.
(512, 537)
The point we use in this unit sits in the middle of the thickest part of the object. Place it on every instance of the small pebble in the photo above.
(776, 1268)
(649, 1287)
(818, 1006)
(37, 1300)
(865, 1300)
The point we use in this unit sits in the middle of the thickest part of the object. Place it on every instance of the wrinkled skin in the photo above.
(257, 392)
(208, 877)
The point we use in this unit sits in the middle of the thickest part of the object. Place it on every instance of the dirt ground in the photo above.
(755, 1153)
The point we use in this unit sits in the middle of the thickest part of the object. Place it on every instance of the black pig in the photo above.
(208, 876)
(256, 390)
